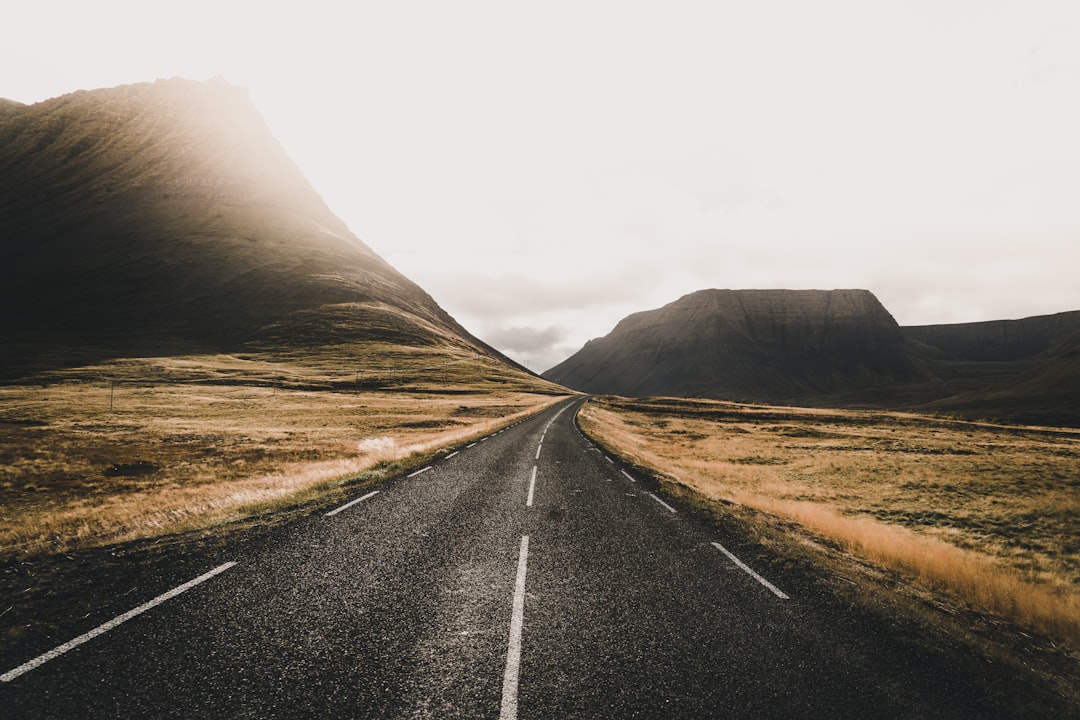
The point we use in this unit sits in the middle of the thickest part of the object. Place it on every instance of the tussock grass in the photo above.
(983, 514)
(229, 438)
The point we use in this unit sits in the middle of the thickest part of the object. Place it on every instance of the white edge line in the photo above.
(349, 504)
(508, 707)
(662, 502)
(106, 627)
(471, 445)
(450, 455)
(421, 470)
(609, 460)
(628, 476)
(775, 590)
(532, 486)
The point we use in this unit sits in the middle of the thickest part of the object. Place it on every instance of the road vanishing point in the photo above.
(527, 575)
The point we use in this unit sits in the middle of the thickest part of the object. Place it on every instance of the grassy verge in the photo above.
(983, 515)
(137, 449)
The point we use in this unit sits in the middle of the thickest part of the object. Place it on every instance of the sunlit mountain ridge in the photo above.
(163, 218)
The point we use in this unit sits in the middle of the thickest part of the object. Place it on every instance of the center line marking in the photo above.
(106, 627)
(508, 709)
(776, 591)
(538, 451)
(421, 470)
(532, 486)
(349, 504)
(628, 477)
(662, 502)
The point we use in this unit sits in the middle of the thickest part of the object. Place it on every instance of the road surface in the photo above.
(527, 575)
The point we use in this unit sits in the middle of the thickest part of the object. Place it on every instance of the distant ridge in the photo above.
(1025, 370)
(164, 217)
(761, 345)
(834, 348)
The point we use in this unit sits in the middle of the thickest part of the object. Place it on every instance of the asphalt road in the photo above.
(526, 575)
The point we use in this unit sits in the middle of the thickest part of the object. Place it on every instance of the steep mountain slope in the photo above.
(761, 345)
(164, 217)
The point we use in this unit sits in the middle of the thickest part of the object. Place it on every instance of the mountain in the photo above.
(164, 217)
(759, 345)
(1026, 370)
(835, 348)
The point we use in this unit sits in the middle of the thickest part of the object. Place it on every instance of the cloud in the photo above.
(524, 340)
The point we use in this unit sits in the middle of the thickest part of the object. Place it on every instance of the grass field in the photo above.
(135, 449)
(985, 514)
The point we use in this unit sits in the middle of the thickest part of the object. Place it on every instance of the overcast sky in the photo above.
(544, 169)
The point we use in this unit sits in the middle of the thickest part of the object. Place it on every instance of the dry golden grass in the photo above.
(987, 514)
(228, 437)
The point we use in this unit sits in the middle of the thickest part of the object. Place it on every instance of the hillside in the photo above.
(164, 218)
(758, 345)
(1025, 370)
(835, 348)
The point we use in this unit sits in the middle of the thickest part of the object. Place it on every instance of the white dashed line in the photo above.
(532, 486)
(349, 504)
(776, 591)
(471, 445)
(538, 451)
(628, 477)
(450, 456)
(421, 470)
(609, 460)
(106, 627)
(508, 708)
(662, 502)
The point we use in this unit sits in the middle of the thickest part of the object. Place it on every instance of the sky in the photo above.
(543, 169)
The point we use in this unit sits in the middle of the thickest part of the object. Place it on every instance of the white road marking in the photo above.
(628, 477)
(532, 486)
(471, 445)
(662, 502)
(421, 470)
(450, 455)
(484, 438)
(349, 504)
(776, 591)
(508, 709)
(609, 460)
(538, 451)
(106, 627)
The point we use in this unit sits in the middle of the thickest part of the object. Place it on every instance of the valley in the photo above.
(203, 369)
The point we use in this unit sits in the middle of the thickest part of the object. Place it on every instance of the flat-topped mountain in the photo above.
(836, 347)
(164, 217)
(763, 345)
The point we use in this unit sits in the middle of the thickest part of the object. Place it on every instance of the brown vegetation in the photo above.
(133, 449)
(984, 513)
